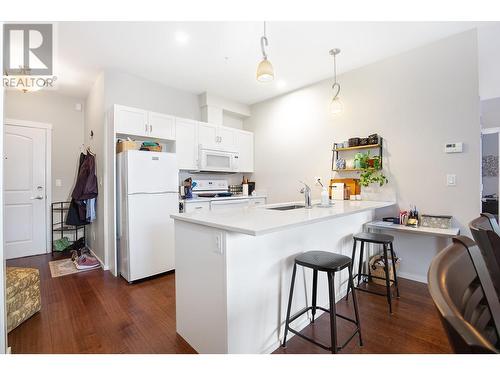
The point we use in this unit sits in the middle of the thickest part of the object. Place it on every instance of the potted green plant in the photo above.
(374, 162)
(372, 176)
(361, 160)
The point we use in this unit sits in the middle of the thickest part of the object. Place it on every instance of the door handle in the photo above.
(39, 197)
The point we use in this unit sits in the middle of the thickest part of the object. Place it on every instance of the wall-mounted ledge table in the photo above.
(416, 246)
(438, 232)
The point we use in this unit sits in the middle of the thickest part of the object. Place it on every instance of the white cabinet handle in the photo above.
(198, 208)
(39, 197)
(150, 128)
(146, 128)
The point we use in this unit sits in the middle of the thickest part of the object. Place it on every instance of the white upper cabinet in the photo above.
(208, 134)
(134, 121)
(161, 126)
(130, 120)
(244, 145)
(219, 136)
(186, 145)
(227, 137)
(188, 134)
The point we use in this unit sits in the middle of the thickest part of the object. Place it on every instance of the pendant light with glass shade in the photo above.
(336, 106)
(265, 70)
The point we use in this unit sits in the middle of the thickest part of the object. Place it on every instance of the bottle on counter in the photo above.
(244, 185)
(325, 199)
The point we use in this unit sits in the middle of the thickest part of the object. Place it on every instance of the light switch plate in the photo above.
(451, 180)
(58, 182)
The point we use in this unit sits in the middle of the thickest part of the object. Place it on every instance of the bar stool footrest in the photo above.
(329, 348)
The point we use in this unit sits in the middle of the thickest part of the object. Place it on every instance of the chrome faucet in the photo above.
(306, 190)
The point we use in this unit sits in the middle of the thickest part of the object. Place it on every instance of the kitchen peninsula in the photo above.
(233, 270)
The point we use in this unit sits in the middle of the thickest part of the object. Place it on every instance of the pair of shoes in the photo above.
(86, 261)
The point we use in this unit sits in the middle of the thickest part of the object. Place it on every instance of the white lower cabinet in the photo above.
(228, 204)
(196, 206)
(258, 202)
(223, 204)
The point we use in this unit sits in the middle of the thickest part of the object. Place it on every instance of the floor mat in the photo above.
(65, 267)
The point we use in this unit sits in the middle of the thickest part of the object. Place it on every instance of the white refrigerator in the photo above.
(147, 185)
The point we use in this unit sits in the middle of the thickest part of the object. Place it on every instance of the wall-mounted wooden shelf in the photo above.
(356, 169)
(335, 155)
(357, 147)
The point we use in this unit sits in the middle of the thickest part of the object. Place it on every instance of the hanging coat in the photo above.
(86, 182)
(85, 188)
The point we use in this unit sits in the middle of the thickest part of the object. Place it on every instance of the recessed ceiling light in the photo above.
(281, 84)
(181, 37)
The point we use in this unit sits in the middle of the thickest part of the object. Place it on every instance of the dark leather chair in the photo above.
(463, 293)
(485, 232)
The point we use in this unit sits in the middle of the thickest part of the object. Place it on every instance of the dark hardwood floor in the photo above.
(94, 312)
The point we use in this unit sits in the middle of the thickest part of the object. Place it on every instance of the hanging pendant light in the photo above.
(265, 70)
(336, 106)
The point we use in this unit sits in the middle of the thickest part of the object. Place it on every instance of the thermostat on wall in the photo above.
(450, 148)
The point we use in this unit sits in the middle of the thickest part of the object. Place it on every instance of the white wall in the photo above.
(94, 121)
(232, 120)
(490, 112)
(67, 132)
(417, 101)
(129, 90)
(489, 61)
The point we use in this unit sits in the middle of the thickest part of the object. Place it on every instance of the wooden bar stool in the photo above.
(387, 245)
(330, 263)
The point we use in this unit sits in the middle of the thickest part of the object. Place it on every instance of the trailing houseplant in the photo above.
(372, 176)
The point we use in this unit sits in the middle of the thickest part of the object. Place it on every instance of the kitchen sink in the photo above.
(286, 208)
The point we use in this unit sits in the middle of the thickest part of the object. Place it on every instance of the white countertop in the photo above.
(236, 196)
(259, 220)
(438, 232)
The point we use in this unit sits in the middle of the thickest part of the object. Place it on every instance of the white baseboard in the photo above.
(419, 278)
(104, 267)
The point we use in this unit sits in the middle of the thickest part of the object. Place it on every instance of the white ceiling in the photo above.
(221, 57)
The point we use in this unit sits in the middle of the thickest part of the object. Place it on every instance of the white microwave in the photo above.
(212, 159)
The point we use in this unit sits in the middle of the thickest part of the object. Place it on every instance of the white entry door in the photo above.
(24, 191)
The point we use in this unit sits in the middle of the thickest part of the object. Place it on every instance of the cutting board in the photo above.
(351, 183)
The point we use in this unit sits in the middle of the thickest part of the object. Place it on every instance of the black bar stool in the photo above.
(387, 244)
(330, 263)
